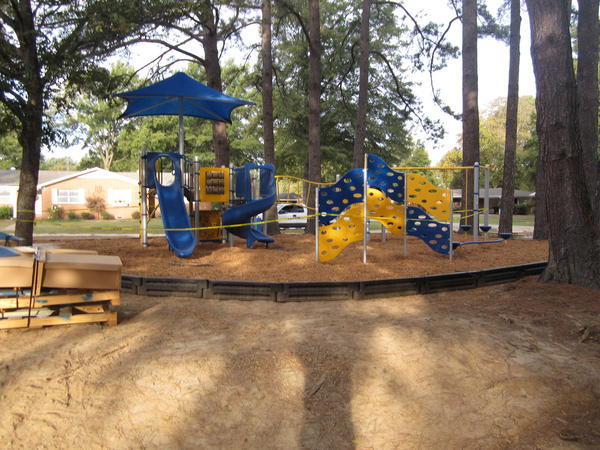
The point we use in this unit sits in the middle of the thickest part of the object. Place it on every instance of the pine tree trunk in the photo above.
(267, 99)
(587, 92)
(470, 104)
(540, 228)
(573, 235)
(30, 136)
(213, 73)
(363, 87)
(314, 102)
(512, 108)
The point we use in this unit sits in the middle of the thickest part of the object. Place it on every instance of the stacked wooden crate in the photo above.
(58, 287)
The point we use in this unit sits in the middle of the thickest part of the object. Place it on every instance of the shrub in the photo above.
(136, 215)
(106, 215)
(71, 215)
(56, 213)
(521, 208)
(87, 216)
(6, 212)
(96, 204)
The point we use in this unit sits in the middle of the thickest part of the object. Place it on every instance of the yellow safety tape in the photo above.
(440, 168)
(318, 183)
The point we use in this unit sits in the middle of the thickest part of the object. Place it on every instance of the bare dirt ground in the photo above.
(508, 366)
(511, 366)
(292, 256)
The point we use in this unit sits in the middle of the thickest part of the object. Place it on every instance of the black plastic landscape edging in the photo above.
(339, 290)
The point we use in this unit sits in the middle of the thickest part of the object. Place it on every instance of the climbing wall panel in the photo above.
(348, 227)
(214, 184)
(384, 178)
(334, 199)
(435, 234)
(335, 237)
(433, 199)
(384, 210)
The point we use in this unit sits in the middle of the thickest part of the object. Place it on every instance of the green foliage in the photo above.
(87, 216)
(521, 208)
(106, 215)
(491, 138)
(492, 130)
(95, 122)
(56, 212)
(72, 215)
(64, 163)
(10, 149)
(136, 215)
(451, 178)
(96, 204)
(420, 158)
(6, 212)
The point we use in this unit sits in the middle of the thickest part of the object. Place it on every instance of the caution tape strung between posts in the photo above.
(214, 227)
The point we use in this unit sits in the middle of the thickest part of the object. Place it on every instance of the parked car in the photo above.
(292, 215)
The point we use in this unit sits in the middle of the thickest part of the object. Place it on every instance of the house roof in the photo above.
(123, 176)
(11, 177)
(47, 177)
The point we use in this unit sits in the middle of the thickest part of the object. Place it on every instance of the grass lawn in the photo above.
(518, 220)
(117, 226)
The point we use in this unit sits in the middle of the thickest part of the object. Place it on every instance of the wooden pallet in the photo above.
(68, 307)
(108, 317)
(61, 298)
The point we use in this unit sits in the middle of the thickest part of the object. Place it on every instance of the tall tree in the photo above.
(210, 39)
(211, 24)
(363, 86)
(512, 111)
(44, 45)
(587, 93)
(540, 228)
(573, 231)
(314, 100)
(94, 119)
(267, 101)
(470, 102)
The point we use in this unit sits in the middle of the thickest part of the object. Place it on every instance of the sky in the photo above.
(493, 59)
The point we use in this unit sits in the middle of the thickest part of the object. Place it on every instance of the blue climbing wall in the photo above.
(435, 234)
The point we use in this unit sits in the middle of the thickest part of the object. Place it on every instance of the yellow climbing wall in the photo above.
(336, 236)
(348, 227)
(435, 200)
(388, 213)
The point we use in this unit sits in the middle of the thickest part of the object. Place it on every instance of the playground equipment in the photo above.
(173, 178)
(405, 205)
(180, 95)
(252, 203)
(176, 220)
(476, 173)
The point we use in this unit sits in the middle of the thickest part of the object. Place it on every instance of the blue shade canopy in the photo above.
(180, 95)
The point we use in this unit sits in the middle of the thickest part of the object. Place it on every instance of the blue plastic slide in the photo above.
(175, 217)
(242, 214)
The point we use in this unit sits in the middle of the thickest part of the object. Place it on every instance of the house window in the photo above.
(67, 196)
(5, 196)
(119, 197)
